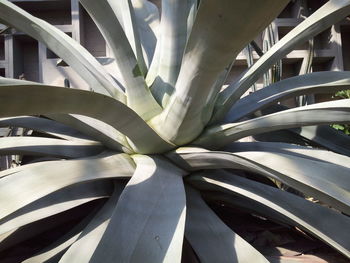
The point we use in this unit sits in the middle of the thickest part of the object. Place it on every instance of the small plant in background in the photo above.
(125, 173)
(343, 94)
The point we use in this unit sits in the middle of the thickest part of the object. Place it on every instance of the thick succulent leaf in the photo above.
(17, 169)
(55, 250)
(321, 135)
(149, 220)
(30, 145)
(14, 238)
(96, 129)
(325, 181)
(211, 239)
(319, 113)
(318, 82)
(28, 185)
(299, 151)
(17, 100)
(329, 14)
(220, 81)
(191, 17)
(208, 51)
(14, 170)
(154, 66)
(91, 127)
(172, 41)
(45, 126)
(127, 18)
(53, 253)
(139, 97)
(84, 247)
(56, 203)
(295, 209)
(285, 136)
(147, 20)
(191, 8)
(64, 46)
(35, 229)
(327, 137)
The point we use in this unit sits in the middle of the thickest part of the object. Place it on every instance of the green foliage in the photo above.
(136, 167)
(344, 94)
(342, 127)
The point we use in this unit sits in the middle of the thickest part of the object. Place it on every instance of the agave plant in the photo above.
(137, 156)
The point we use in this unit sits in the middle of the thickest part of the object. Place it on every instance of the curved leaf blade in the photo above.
(45, 126)
(321, 135)
(30, 145)
(54, 251)
(325, 181)
(147, 20)
(173, 32)
(147, 225)
(139, 97)
(317, 82)
(329, 14)
(41, 99)
(64, 46)
(125, 12)
(319, 113)
(294, 209)
(83, 248)
(212, 240)
(28, 185)
(208, 51)
(327, 137)
(96, 129)
(286, 148)
(55, 203)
